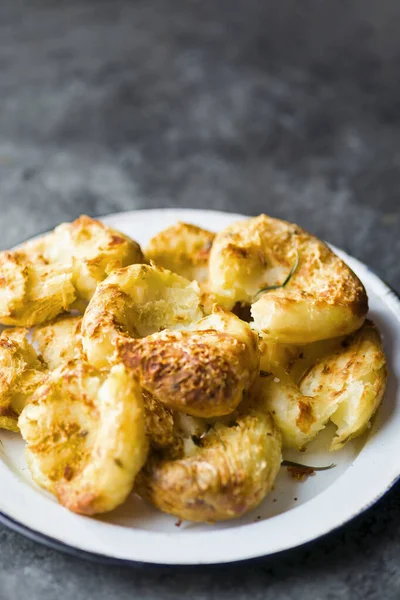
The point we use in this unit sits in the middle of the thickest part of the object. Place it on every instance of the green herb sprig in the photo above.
(290, 463)
(281, 285)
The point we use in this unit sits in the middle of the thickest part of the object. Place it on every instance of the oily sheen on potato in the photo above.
(180, 374)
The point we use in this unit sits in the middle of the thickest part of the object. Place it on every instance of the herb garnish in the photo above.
(281, 285)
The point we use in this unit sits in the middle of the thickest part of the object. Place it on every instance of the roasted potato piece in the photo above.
(299, 290)
(220, 475)
(97, 250)
(184, 249)
(32, 290)
(59, 341)
(203, 372)
(45, 277)
(85, 435)
(21, 373)
(135, 302)
(345, 385)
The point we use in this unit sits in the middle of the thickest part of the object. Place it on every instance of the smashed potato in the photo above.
(85, 436)
(47, 276)
(184, 249)
(97, 250)
(31, 290)
(21, 373)
(220, 475)
(344, 385)
(203, 372)
(299, 290)
(135, 302)
(190, 367)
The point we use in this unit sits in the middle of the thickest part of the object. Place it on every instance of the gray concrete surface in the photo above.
(292, 108)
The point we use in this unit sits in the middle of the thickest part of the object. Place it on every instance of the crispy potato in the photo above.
(135, 302)
(59, 341)
(160, 422)
(184, 249)
(21, 373)
(48, 276)
(219, 475)
(202, 372)
(97, 250)
(31, 290)
(344, 385)
(85, 435)
(322, 299)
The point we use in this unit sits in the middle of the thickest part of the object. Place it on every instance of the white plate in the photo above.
(292, 514)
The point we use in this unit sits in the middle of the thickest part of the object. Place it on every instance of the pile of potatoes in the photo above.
(180, 372)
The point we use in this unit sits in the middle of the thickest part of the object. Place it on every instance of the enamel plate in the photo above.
(293, 513)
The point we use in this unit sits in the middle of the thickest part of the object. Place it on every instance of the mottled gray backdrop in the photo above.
(288, 107)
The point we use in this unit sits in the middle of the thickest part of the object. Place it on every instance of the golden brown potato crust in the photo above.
(85, 435)
(45, 277)
(200, 373)
(322, 299)
(227, 474)
(160, 426)
(184, 249)
(21, 373)
(204, 371)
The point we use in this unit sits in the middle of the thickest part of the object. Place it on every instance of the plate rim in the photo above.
(53, 543)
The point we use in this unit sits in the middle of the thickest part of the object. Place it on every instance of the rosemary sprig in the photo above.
(290, 463)
(281, 285)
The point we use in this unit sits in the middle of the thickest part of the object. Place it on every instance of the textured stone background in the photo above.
(292, 108)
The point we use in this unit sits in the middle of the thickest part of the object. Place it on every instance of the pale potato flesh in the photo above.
(343, 382)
